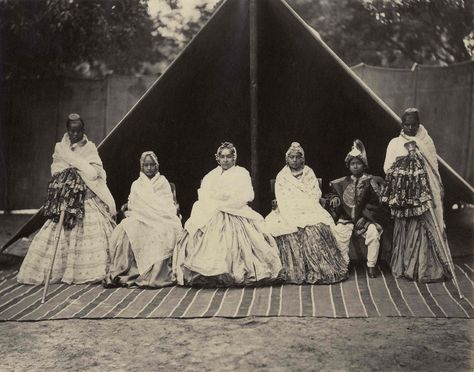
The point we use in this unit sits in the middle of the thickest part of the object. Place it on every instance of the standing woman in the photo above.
(142, 244)
(303, 229)
(414, 194)
(78, 185)
(224, 242)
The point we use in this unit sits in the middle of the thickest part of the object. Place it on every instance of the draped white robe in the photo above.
(151, 222)
(84, 157)
(298, 203)
(227, 191)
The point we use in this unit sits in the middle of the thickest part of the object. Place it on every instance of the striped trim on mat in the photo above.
(359, 296)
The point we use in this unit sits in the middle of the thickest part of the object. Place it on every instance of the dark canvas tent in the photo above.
(258, 76)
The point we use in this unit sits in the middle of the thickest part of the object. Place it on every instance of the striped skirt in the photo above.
(310, 255)
(83, 251)
(418, 250)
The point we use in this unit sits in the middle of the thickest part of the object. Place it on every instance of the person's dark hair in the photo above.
(74, 117)
(411, 111)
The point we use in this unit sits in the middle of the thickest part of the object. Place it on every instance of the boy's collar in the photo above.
(362, 177)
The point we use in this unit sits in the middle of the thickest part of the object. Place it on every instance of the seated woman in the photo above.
(224, 242)
(142, 244)
(302, 227)
(77, 187)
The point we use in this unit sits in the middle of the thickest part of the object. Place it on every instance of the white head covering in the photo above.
(294, 147)
(151, 154)
(229, 146)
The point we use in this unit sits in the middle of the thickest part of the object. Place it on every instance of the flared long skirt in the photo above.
(230, 250)
(123, 270)
(310, 255)
(83, 252)
(418, 252)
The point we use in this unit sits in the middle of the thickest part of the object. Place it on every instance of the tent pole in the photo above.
(253, 95)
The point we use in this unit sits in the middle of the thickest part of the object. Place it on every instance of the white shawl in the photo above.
(152, 224)
(396, 148)
(84, 157)
(222, 191)
(298, 203)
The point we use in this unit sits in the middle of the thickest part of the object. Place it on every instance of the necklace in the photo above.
(297, 173)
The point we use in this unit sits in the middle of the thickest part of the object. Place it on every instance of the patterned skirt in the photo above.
(230, 250)
(417, 250)
(407, 189)
(123, 270)
(310, 255)
(83, 251)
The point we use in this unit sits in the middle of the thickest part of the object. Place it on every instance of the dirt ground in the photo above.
(276, 344)
(273, 344)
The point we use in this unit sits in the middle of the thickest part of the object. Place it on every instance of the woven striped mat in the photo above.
(359, 296)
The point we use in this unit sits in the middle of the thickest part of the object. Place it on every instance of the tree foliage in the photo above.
(41, 38)
(177, 22)
(52, 37)
(393, 33)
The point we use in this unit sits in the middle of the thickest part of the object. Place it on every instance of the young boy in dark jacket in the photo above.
(355, 206)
